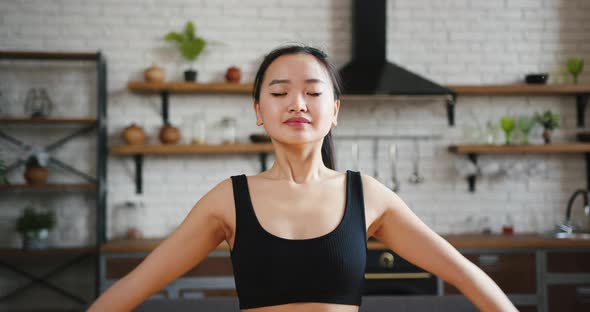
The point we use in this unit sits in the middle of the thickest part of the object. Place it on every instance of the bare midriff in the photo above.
(306, 306)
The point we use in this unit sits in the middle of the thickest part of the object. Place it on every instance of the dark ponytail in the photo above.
(328, 143)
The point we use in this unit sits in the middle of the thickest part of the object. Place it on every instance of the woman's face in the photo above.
(297, 85)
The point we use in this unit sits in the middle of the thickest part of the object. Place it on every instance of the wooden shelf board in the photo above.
(46, 55)
(246, 88)
(48, 120)
(192, 149)
(181, 86)
(515, 89)
(65, 251)
(48, 187)
(554, 148)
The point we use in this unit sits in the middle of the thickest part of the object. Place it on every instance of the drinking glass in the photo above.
(525, 124)
(575, 67)
(507, 124)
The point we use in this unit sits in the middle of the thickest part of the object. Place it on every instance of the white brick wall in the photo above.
(448, 41)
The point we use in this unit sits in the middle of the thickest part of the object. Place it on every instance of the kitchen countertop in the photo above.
(459, 241)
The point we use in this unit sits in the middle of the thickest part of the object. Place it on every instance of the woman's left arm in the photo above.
(404, 233)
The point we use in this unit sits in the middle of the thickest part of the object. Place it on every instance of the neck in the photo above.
(299, 164)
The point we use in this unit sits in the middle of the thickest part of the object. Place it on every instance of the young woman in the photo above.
(298, 231)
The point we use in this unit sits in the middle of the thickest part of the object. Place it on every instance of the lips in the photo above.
(297, 120)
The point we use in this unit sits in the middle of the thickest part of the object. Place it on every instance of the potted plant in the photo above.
(190, 46)
(550, 121)
(35, 172)
(3, 179)
(34, 227)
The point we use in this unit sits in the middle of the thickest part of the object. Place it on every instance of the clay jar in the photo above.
(169, 134)
(233, 74)
(133, 135)
(36, 175)
(154, 74)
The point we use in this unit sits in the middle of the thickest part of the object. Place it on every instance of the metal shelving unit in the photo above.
(93, 184)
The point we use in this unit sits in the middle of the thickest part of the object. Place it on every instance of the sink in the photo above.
(575, 235)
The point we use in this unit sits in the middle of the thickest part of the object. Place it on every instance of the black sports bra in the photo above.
(270, 270)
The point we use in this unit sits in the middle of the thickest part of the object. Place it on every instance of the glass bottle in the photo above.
(229, 130)
(508, 226)
(199, 128)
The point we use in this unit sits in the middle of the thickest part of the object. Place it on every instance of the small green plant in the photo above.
(548, 119)
(575, 67)
(32, 222)
(189, 44)
(33, 162)
(3, 178)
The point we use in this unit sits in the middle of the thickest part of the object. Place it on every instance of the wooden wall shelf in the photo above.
(65, 251)
(580, 91)
(42, 55)
(48, 120)
(190, 87)
(163, 149)
(51, 187)
(165, 88)
(138, 151)
(554, 148)
(521, 89)
(473, 150)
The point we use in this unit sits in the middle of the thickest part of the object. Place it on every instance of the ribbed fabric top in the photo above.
(271, 270)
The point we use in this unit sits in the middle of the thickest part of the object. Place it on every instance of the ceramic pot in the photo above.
(169, 134)
(133, 135)
(190, 75)
(547, 136)
(134, 233)
(154, 74)
(36, 175)
(36, 239)
(233, 74)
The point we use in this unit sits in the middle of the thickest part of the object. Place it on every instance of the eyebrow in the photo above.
(312, 80)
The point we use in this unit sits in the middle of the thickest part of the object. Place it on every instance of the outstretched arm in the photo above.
(199, 233)
(403, 232)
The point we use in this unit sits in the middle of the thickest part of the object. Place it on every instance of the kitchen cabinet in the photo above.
(541, 279)
(573, 298)
(513, 272)
(533, 270)
(568, 281)
(213, 276)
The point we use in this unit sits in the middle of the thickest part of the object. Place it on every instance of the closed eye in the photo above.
(315, 94)
(279, 94)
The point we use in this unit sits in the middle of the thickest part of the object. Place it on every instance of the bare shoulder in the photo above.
(378, 200)
(218, 201)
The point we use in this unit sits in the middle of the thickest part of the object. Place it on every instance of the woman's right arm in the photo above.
(199, 233)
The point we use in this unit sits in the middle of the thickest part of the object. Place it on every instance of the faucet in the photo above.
(567, 226)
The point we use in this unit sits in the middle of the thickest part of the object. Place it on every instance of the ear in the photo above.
(256, 106)
(336, 109)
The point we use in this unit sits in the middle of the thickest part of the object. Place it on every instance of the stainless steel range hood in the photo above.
(369, 72)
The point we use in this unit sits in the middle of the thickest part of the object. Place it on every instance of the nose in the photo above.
(298, 104)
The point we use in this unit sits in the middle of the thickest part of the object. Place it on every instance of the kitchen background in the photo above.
(447, 41)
